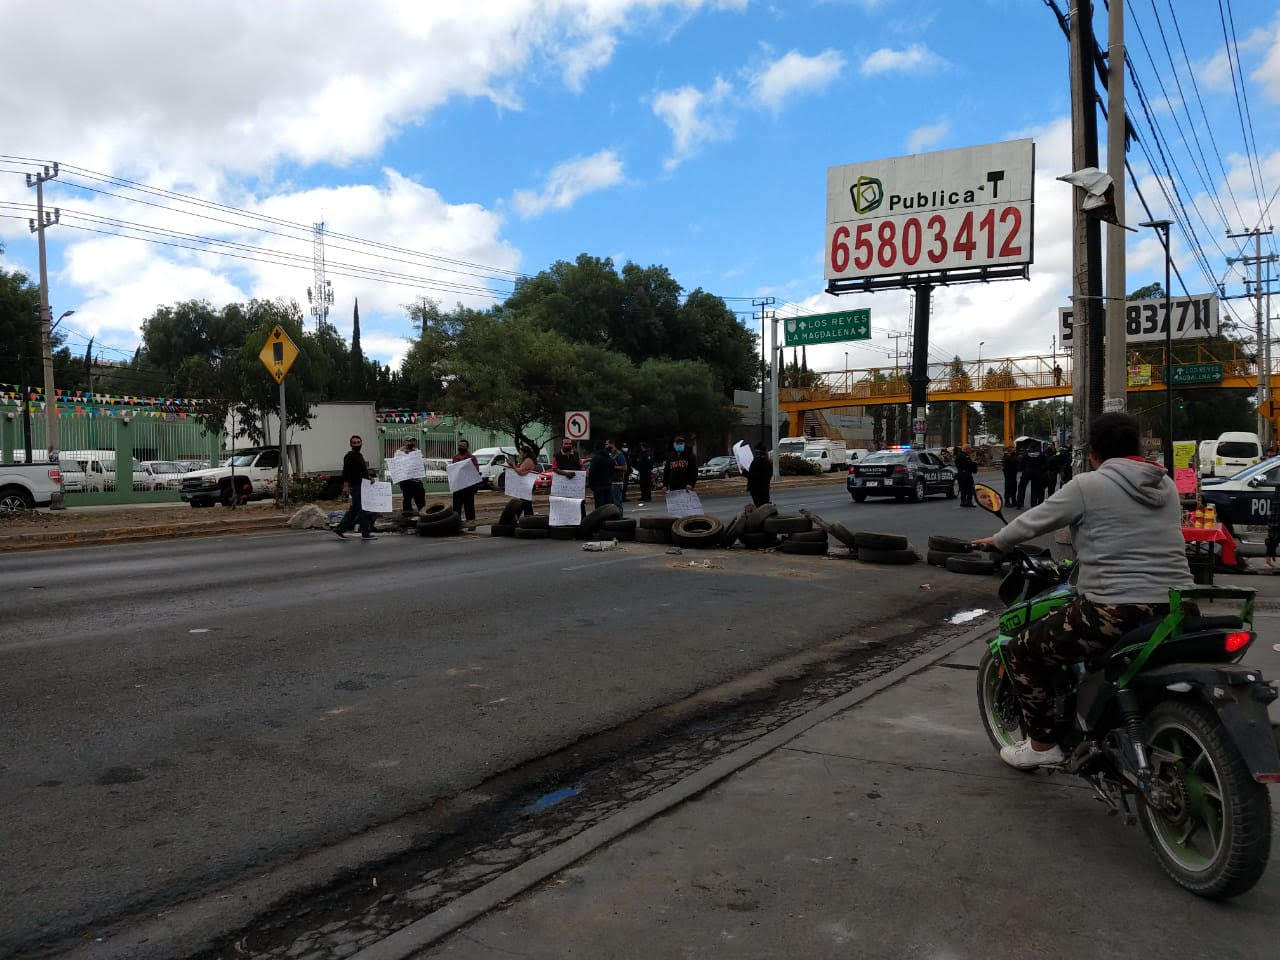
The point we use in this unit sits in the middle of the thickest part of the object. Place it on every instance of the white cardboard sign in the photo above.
(574, 487)
(462, 474)
(565, 511)
(520, 487)
(375, 496)
(406, 466)
(683, 503)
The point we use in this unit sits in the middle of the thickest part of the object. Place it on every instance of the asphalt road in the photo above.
(181, 714)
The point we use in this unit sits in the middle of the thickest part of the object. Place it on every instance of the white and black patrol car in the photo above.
(904, 474)
(1246, 499)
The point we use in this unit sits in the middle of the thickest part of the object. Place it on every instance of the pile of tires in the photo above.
(698, 532)
(958, 556)
(532, 528)
(797, 534)
(656, 529)
(439, 520)
(753, 534)
(887, 548)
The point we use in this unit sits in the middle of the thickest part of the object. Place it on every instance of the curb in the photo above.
(434, 927)
(89, 538)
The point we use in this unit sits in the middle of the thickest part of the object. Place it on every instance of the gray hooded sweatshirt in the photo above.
(1126, 526)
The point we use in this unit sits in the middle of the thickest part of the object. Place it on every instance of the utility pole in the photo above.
(765, 371)
(775, 355)
(1117, 373)
(38, 225)
(1262, 324)
(1086, 254)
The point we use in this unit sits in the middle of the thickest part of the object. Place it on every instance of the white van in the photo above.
(97, 471)
(1234, 452)
(1204, 456)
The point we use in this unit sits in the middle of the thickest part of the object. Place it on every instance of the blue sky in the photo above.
(510, 133)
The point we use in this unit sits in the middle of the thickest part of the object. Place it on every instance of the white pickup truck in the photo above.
(256, 471)
(27, 486)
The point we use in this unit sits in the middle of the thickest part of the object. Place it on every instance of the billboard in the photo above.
(1145, 322)
(931, 212)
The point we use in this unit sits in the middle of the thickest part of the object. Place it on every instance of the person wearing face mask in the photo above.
(600, 475)
(354, 472)
(566, 462)
(413, 494)
(681, 470)
(464, 501)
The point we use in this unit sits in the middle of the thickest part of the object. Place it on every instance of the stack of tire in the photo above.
(655, 529)
(887, 548)
(958, 556)
(439, 520)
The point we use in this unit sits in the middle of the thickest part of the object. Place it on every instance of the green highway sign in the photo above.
(1192, 373)
(827, 328)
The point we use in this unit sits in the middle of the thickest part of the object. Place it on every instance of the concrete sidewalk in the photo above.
(889, 831)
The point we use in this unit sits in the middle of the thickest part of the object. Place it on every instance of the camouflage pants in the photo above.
(1068, 634)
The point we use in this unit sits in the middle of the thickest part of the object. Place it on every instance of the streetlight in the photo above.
(1161, 227)
(65, 314)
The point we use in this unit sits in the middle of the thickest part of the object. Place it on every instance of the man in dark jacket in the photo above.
(1010, 466)
(965, 469)
(600, 475)
(644, 467)
(759, 476)
(1052, 467)
(1032, 475)
(354, 472)
(681, 471)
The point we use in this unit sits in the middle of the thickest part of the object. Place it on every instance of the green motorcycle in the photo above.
(1167, 725)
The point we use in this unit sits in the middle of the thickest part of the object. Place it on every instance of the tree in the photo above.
(357, 378)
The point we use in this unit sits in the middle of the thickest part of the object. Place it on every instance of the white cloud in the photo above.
(568, 181)
(917, 58)
(1267, 75)
(928, 136)
(794, 73)
(1215, 72)
(695, 117)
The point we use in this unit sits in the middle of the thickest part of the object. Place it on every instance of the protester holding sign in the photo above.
(464, 500)
(355, 471)
(528, 465)
(681, 471)
(408, 469)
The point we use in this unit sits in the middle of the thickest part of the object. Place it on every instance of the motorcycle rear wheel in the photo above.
(997, 704)
(1216, 838)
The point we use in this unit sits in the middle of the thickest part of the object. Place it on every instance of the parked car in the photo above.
(902, 474)
(719, 468)
(167, 472)
(97, 469)
(543, 482)
(256, 472)
(27, 486)
(1244, 500)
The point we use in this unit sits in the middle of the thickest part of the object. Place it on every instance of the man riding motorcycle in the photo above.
(1125, 520)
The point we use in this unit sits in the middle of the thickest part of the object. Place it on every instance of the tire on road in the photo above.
(792, 523)
(950, 544)
(533, 523)
(434, 511)
(757, 517)
(698, 532)
(502, 530)
(808, 536)
(621, 526)
(562, 533)
(919, 491)
(644, 535)
(446, 525)
(843, 534)
(900, 557)
(953, 491)
(815, 548)
(532, 533)
(511, 512)
(970, 565)
(658, 522)
(733, 530)
(880, 541)
(758, 541)
(939, 558)
(596, 518)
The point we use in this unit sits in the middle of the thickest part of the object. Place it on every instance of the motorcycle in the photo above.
(1167, 725)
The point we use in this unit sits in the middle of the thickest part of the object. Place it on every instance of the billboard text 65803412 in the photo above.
(953, 210)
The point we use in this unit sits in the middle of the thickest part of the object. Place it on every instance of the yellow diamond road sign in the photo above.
(278, 354)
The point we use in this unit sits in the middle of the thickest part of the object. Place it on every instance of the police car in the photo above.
(1245, 499)
(903, 474)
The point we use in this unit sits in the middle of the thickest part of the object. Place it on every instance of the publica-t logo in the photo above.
(867, 194)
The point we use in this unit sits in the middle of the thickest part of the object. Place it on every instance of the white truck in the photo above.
(25, 486)
(315, 452)
(830, 455)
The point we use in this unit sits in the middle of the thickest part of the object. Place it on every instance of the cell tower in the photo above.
(320, 294)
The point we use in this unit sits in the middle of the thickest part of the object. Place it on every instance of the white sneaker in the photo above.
(1023, 756)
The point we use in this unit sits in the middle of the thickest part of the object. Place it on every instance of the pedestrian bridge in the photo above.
(1003, 380)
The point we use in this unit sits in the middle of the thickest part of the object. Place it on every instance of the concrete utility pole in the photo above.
(763, 303)
(1262, 324)
(38, 225)
(775, 354)
(1086, 254)
(1117, 373)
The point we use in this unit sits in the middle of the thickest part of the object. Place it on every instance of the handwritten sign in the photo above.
(574, 488)
(1184, 478)
(683, 503)
(406, 466)
(375, 496)
(565, 511)
(742, 453)
(520, 487)
(462, 474)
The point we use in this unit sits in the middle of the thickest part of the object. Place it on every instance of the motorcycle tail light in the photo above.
(1237, 641)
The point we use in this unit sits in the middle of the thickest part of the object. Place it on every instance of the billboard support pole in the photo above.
(919, 378)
